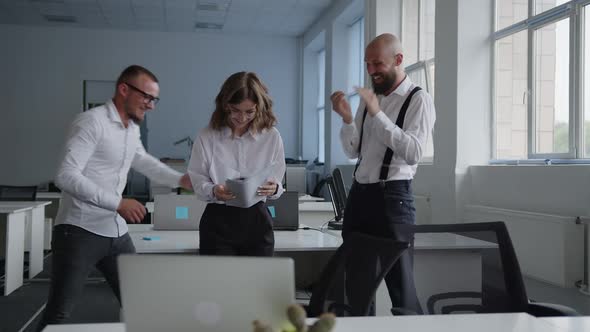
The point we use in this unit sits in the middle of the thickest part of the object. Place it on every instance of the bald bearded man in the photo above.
(388, 135)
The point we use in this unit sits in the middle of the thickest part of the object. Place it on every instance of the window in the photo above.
(356, 62)
(321, 105)
(586, 83)
(418, 43)
(537, 102)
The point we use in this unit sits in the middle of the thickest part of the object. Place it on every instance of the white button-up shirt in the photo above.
(98, 154)
(218, 156)
(381, 132)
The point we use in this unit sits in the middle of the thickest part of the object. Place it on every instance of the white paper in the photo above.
(245, 188)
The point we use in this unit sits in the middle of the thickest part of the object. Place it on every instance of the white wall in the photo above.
(332, 27)
(42, 70)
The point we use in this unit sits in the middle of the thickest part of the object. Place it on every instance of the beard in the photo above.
(134, 118)
(132, 115)
(388, 81)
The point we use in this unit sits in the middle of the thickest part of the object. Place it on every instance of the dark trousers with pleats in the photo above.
(234, 231)
(380, 209)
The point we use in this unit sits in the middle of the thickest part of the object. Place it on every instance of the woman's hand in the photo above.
(268, 189)
(222, 193)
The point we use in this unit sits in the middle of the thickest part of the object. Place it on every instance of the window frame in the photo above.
(321, 107)
(573, 11)
(353, 93)
(420, 64)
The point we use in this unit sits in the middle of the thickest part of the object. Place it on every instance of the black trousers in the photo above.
(233, 231)
(75, 251)
(377, 209)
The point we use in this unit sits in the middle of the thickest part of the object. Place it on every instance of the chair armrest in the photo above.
(539, 309)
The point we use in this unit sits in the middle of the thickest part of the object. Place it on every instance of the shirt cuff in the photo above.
(209, 190)
(278, 193)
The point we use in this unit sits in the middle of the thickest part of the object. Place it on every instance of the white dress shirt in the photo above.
(218, 156)
(98, 154)
(381, 132)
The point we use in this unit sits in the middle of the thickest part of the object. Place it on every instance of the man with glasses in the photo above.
(90, 229)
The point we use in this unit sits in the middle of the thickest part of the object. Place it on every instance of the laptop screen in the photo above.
(191, 293)
(285, 211)
(177, 212)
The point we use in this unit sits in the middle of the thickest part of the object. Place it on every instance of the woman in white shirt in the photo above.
(241, 140)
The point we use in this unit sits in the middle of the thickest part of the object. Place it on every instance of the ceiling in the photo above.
(271, 17)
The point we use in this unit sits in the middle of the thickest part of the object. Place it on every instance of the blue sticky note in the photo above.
(181, 212)
(151, 238)
(271, 209)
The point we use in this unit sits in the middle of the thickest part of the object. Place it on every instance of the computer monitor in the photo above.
(340, 189)
(338, 209)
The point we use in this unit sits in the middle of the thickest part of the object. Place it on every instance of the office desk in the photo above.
(315, 214)
(48, 195)
(569, 324)
(188, 241)
(34, 231)
(436, 257)
(518, 322)
(12, 235)
(309, 249)
(50, 213)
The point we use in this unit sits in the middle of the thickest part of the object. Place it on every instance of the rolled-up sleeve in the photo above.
(84, 136)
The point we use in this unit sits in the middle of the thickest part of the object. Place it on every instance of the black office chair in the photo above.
(18, 193)
(328, 294)
(502, 287)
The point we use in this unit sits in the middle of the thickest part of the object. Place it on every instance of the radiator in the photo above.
(423, 212)
(549, 247)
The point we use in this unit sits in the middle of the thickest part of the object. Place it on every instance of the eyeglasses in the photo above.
(147, 98)
(236, 112)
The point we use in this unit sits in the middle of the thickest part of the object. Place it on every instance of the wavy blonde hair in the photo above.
(237, 88)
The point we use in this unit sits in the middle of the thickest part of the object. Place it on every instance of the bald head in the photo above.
(384, 58)
(386, 44)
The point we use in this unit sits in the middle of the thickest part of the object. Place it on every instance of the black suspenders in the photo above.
(389, 153)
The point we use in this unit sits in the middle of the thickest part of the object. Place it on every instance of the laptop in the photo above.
(204, 293)
(177, 212)
(284, 211)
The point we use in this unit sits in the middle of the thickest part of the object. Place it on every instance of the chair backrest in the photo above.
(18, 193)
(328, 292)
(488, 279)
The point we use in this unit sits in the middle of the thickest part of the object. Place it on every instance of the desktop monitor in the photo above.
(339, 186)
(336, 204)
(338, 208)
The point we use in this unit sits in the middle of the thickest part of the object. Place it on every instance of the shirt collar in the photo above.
(113, 114)
(403, 87)
(226, 133)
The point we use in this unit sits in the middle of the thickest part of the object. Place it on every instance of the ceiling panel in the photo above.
(275, 17)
